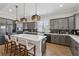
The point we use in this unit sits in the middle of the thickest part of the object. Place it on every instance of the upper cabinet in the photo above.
(59, 23)
(31, 25)
(51, 24)
(8, 21)
(71, 23)
(77, 21)
(2, 21)
(67, 23)
(56, 26)
(63, 23)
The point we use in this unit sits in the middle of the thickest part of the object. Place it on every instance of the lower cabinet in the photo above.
(74, 47)
(43, 50)
(78, 50)
(59, 39)
(54, 39)
(66, 40)
(2, 39)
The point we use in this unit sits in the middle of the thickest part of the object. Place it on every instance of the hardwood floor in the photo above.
(57, 50)
(52, 50)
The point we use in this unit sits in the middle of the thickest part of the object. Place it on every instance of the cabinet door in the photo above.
(51, 24)
(56, 39)
(60, 24)
(52, 38)
(77, 49)
(71, 23)
(61, 39)
(64, 23)
(67, 40)
(73, 48)
(77, 21)
(43, 50)
(56, 25)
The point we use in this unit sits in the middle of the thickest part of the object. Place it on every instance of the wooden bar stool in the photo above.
(9, 45)
(14, 45)
(27, 47)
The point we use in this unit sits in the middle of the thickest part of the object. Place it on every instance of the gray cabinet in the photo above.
(67, 40)
(56, 24)
(64, 23)
(59, 39)
(51, 24)
(59, 23)
(71, 23)
(2, 39)
(43, 50)
(77, 21)
(74, 47)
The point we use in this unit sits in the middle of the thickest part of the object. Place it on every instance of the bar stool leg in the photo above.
(34, 51)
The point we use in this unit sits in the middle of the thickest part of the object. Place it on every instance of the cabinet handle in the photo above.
(76, 48)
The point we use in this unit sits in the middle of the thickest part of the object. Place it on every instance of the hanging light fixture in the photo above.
(35, 17)
(16, 15)
(23, 19)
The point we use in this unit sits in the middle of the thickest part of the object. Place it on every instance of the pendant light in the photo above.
(16, 14)
(35, 17)
(23, 19)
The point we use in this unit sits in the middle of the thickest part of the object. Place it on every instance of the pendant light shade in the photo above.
(36, 17)
(23, 19)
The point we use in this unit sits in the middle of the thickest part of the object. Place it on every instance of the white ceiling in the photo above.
(43, 9)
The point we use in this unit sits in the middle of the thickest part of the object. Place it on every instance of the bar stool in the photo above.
(13, 48)
(9, 45)
(26, 47)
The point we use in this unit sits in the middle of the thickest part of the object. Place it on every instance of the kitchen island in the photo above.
(38, 40)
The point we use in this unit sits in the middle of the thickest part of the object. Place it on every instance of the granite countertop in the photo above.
(75, 37)
(30, 37)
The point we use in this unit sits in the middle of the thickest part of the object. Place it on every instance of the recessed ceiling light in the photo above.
(10, 10)
(61, 5)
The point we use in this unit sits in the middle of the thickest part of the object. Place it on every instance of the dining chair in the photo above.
(23, 43)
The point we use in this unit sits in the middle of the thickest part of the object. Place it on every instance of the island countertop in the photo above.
(30, 36)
